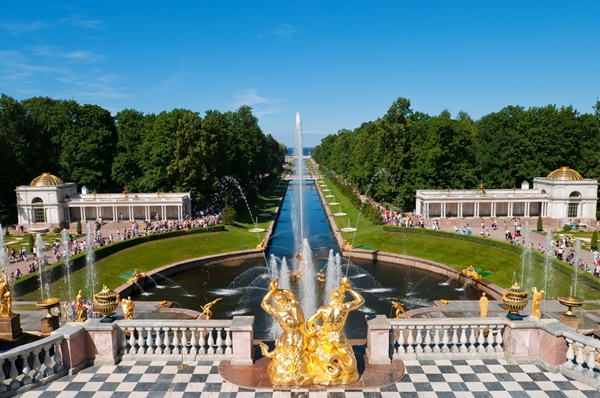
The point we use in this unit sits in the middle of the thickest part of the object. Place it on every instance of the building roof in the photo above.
(46, 180)
(564, 174)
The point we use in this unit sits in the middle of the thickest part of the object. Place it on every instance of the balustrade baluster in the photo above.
(427, 348)
(176, 343)
(37, 365)
(481, 340)
(419, 339)
(159, 342)
(490, 339)
(410, 341)
(445, 340)
(591, 361)
(194, 342)
(57, 357)
(570, 355)
(436, 340)
(48, 362)
(167, 341)
(219, 341)
(184, 341)
(211, 342)
(499, 341)
(202, 343)
(141, 341)
(14, 372)
(401, 349)
(472, 339)
(2, 376)
(149, 342)
(228, 348)
(455, 338)
(579, 358)
(131, 349)
(463, 338)
(25, 378)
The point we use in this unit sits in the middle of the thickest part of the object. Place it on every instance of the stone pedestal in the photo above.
(569, 320)
(10, 328)
(49, 324)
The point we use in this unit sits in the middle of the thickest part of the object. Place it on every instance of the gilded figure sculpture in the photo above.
(483, 305)
(537, 301)
(288, 366)
(136, 276)
(399, 309)
(471, 273)
(6, 296)
(347, 246)
(127, 305)
(331, 358)
(206, 313)
(79, 299)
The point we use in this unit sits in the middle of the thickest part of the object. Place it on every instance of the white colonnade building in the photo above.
(561, 196)
(49, 202)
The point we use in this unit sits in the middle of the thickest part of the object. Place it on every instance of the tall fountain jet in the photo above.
(298, 216)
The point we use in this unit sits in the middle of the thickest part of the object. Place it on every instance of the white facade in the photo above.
(563, 196)
(45, 206)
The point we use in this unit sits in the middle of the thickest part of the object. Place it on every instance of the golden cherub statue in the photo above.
(6, 296)
(289, 361)
(206, 313)
(537, 301)
(128, 305)
(399, 309)
(471, 273)
(262, 245)
(79, 299)
(136, 276)
(347, 246)
(331, 358)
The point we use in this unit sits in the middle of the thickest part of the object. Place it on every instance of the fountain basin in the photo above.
(348, 229)
(257, 230)
(570, 302)
(340, 215)
(48, 304)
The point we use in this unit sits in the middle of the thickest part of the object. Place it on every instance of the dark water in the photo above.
(243, 284)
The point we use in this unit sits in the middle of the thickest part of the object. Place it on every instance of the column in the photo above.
(131, 216)
(459, 209)
(83, 215)
(527, 209)
(493, 209)
(510, 209)
(163, 210)
(419, 206)
(476, 209)
(147, 212)
(443, 210)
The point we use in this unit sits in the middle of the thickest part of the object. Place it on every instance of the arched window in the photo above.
(575, 195)
(39, 215)
(67, 198)
(543, 191)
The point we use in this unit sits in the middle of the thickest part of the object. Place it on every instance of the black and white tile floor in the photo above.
(423, 379)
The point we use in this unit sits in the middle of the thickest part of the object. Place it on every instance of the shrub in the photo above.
(229, 215)
(56, 230)
(540, 225)
(567, 228)
(594, 242)
(31, 243)
(7, 233)
(79, 231)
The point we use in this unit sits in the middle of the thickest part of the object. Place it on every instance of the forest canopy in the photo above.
(176, 150)
(500, 150)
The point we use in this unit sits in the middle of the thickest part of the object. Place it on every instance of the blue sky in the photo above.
(338, 63)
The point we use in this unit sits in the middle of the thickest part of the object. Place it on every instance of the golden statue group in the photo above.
(306, 352)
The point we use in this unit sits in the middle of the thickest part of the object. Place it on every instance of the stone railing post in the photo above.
(378, 340)
(106, 343)
(242, 336)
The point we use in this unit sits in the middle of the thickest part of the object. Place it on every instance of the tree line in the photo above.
(176, 150)
(500, 150)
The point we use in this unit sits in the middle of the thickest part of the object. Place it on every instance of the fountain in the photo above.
(4, 263)
(65, 252)
(236, 184)
(571, 301)
(89, 259)
(40, 247)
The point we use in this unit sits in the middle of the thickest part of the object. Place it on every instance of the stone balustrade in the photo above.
(30, 365)
(461, 338)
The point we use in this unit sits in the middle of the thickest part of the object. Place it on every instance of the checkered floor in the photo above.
(440, 378)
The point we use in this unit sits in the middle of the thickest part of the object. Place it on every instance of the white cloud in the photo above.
(282, 30)
(57, 52)
(248, 97)
(18, 28)
(261, 106)
(83, 22)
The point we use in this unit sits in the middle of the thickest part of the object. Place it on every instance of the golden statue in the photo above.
(537, 300)
(163, 303)
(288, 366)
(399, 309)
(296, 277)
(127, 305)
(444, 302)
(262, 245)
(321, 276)
(79, 306)
(206, 313)
(470, 272)
(483, 305)
(136, 276)
(347, 246)
(331, 359)
(6, 296)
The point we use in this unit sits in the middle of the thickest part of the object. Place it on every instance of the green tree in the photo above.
(594, 242)
(131, 128)
(79, 230)
(229, 215)
(540, 225)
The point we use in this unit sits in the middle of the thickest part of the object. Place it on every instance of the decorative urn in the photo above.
(106, 301)
(515, 299)
(48, 304)
(570, 302)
